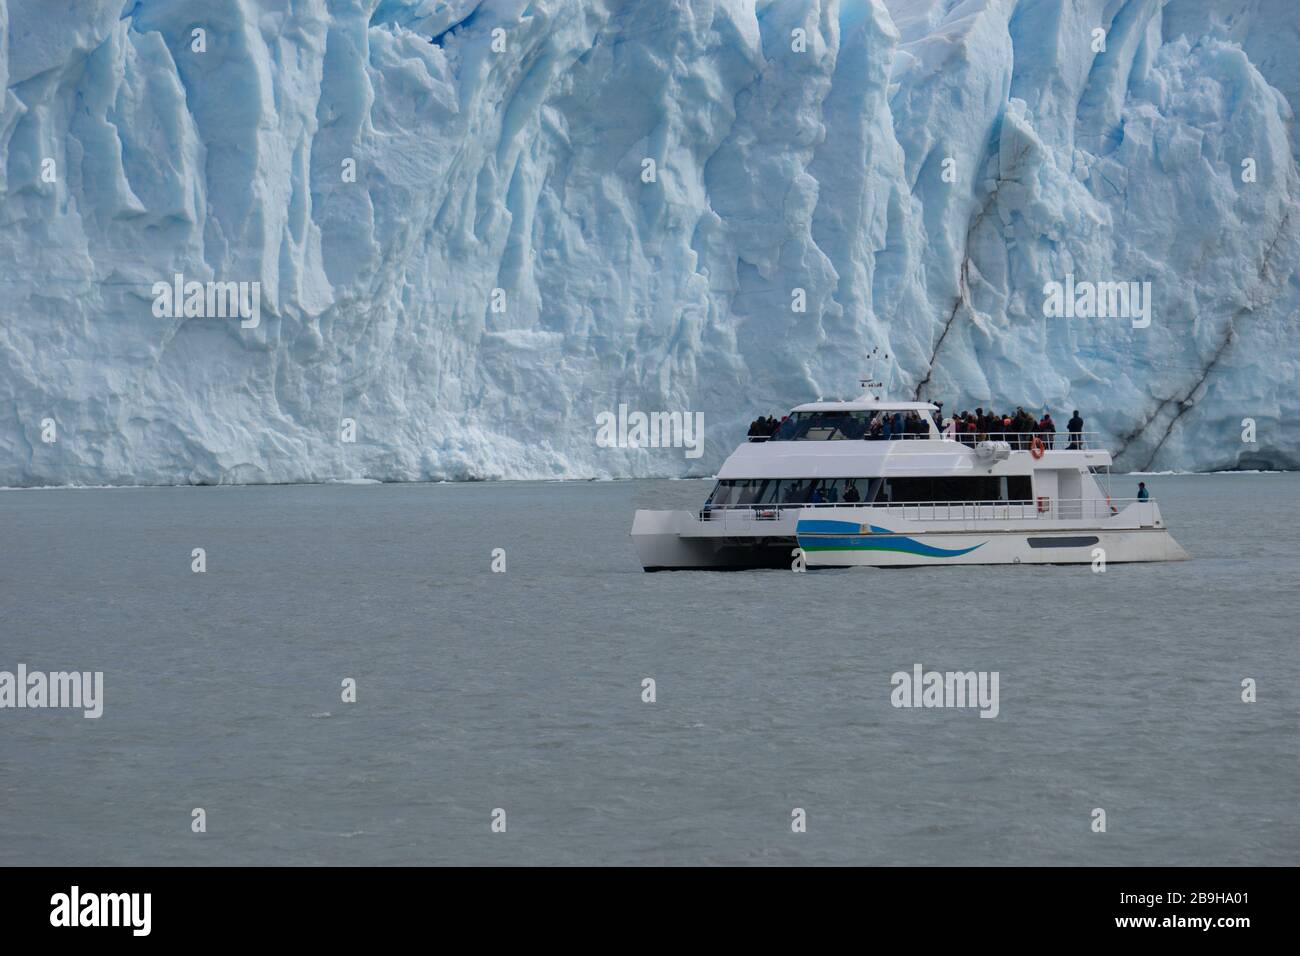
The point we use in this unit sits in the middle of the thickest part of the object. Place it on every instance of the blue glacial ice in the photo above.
(498, 272)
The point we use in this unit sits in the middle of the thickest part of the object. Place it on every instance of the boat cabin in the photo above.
(874, 452)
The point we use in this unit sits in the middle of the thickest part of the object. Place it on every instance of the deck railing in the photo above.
(1042, 509)
(1022, 441)
(1019, 441)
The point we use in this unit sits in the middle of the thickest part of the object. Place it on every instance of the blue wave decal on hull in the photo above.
(818, 526)
(848, 536)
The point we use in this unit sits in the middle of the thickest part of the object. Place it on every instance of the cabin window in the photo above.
(823, 426)
(853, 425)
(798, 491)
(964, 488)
(746, 491)
(829, 490)
(1020, 488)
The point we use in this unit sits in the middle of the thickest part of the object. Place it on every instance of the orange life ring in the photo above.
(1036, 447)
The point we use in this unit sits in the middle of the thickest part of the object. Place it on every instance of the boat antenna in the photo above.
(870, 382)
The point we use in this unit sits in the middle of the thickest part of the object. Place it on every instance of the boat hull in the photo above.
(841, 537)
(869, 537)
(1001, 547)
(680, 541)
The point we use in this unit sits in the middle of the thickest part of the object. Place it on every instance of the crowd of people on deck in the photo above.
(886, 427)
(1019, 429)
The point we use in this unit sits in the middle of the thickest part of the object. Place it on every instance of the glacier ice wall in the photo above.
(445, 205)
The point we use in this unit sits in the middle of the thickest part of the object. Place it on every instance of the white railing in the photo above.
(901, 436)
(1042, 509)
(1023, 441)
(1019, 441)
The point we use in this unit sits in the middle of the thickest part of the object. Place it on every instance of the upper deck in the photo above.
(906, 455)
(877, 437)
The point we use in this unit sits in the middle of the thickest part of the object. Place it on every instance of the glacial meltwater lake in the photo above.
(522, 691)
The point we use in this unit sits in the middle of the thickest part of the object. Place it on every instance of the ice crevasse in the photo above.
(475, 225)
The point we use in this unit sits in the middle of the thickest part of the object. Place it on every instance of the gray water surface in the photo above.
(522, 690)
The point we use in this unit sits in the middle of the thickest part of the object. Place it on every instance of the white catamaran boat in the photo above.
(875, 482)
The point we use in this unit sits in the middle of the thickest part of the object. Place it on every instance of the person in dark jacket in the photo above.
(1075, 428)
(1143, 494)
